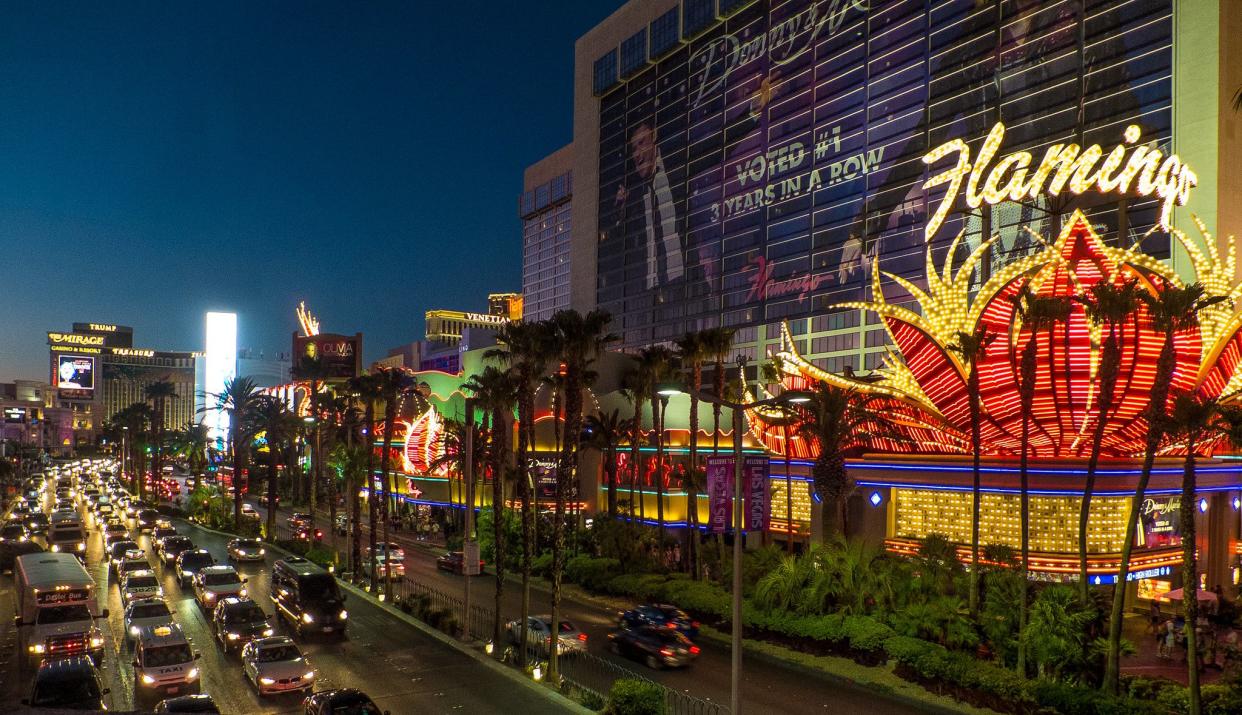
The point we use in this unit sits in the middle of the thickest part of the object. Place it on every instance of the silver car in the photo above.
(276, 665)
(147, 613)
(538, 637)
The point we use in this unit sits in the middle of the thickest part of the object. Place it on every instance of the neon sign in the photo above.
(1064, 165)
(74, 339)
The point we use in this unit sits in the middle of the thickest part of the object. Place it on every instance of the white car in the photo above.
(148, 613)
(140, 585)
(216, 582)
(571, 640)
(276, 665)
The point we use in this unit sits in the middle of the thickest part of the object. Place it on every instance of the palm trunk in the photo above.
(498, 514)
(976, 446)
(1155, 432)
(1190, 576)
(356, 495)
(271, 488)
(238, 464)
(789, 529)
(573, 415)
(636, 431)
(658, 417)
(1108, 383)
(1027, 397)
(525, 410)
(692, 473)
(390, 421)
(610, 472)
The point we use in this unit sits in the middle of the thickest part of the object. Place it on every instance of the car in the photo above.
(538, 628)
(13, 532)
(276, 665)
(159, 533)
(341, 524)
(163, 663)
(10, 552)
(140, 585)
(200, 703)
(189, 562)
(37, 523)
(307, 533)
(347, 701)
(20, 508)
(214, 583)
(67, 684)
(133, 560)
(308, 597)
(237, 621)
(104, 509)
(454, 562)
(658, 647)
(114, 531)
(298, 520)
(117, 549)
(246, 550)
(388, 563)
(146, 520)
(173, 546)
(659, 615)
(249, 512)
(143, 614)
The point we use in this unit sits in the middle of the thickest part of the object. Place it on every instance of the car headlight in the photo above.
(192, 675)
(134, 631)
(233, 636)
(38, 648)
(55, 547)
(96, 641)
(308, 675)
(308, 618)
(243, 593)
(343, 615)
(267, 681)
(147, 680)
(262, 552)
(81, 546)
(209, 595)
(268, 632)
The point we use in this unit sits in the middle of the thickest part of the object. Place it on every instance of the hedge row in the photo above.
(869, 641)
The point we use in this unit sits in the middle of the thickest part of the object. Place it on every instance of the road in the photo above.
(402, 669)
(766, 688)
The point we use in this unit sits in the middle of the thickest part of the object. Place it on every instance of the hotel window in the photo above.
(728, 7)
(664, 32)
(634, 53)
(700, 14)
(606, 72)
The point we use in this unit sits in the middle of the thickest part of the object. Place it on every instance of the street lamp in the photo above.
(791, 397)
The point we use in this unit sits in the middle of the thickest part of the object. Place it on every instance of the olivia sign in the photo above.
(1014, 176)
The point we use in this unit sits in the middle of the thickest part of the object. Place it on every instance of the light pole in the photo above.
(739, 522)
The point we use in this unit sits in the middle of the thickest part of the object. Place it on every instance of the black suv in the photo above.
(237, 621)
(189, 562)
(307, 595)
(173, 547)
(67, 684)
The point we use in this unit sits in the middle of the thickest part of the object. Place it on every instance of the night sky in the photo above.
(158, 160)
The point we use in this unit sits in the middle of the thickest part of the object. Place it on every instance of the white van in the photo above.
(57, 607)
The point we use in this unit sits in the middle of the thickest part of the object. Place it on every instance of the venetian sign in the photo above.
(1013, 177)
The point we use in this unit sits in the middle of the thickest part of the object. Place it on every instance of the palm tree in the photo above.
(1037, 313)
(525, 348)
(365, 388)
(716, 343)
(393, 384)
(1170, 311)
(636, 385)
(835, 418)
(343, 421)
(311, 370)
(134, 422)
(605, 431)
(158, 393)
(971, 347)
(1107, 306)
(659, 362)
(279, 426)
(692, 352)
(191, 445)
(349, 461)
(239, 399)
(579, 339)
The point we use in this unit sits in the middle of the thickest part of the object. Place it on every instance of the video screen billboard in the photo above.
(757, 172)
(340, 355)
(75, 372)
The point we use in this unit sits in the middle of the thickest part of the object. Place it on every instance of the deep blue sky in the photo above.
(158, 160)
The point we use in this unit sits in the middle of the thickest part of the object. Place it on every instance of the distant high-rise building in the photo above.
(265, 370)
(505, 305)
(544, 207)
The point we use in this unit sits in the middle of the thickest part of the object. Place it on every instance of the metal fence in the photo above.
(595, 675)
(478, 625)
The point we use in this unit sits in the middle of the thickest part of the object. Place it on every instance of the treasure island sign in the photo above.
(1014, 177)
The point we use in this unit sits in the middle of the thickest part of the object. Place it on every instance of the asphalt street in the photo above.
(402, 669)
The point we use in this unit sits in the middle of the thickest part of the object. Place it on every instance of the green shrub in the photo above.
(1221, 700)
(592, 573)
(866, 633)
(635, 697)
(541, 565)
(700, 598)
(907, 650)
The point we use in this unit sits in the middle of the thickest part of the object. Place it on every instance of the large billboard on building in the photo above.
(756, 172)
(75, 377)
(219, 368)
(340, 355)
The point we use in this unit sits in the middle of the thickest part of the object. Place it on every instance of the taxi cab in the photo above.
(164, 664)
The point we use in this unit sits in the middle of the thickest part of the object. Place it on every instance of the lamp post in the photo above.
(739, 522)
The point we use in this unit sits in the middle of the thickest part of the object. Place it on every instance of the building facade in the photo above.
(266, 371)
(546, 210)
(748, 164)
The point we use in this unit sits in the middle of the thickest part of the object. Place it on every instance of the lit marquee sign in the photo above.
(1064, 165)
(74, 339)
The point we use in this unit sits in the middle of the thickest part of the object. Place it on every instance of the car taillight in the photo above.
(582, 637)
(694, 650)
(671, 624)
(694, 624)
(666, 652)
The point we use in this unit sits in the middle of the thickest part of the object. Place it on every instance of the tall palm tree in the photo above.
(279, 427)
(971, 347)
(636, 385)
(658, 362)
(312, 371)
(343, 422)
(579, 339)
(1108, 306)
(1038, 314)
(239, 399)
(525, 348)
(366, 389)
(604, 431)
(1170, 311)
(393, 384)
(835, 418)
(191, 445)
(716, 343)
(134, 422)
(159, 393)
(693, 351)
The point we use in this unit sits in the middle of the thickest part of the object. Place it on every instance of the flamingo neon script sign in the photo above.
(1064, 165)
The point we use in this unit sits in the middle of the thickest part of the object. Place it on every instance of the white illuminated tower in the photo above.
(219, 367)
